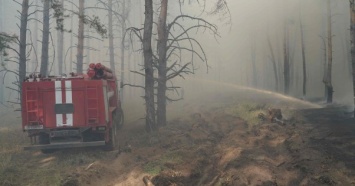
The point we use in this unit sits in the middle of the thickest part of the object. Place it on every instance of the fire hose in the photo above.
(99, 71)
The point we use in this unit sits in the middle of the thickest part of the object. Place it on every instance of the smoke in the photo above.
(241, 42)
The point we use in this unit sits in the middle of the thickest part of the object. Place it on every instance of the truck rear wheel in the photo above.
(111, 145)
(43, 139)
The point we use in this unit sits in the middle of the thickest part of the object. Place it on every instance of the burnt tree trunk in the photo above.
(352, 33)
(286, 61)
(71, 42)
(129, 69)
(60, 41)
(162, 48)
(23, 39)
(123, 30)
(45, 39)
(148, 66)
(87, 51)
(110, 37)
(34, 60)
(2, 90)
(80, 47)
(274, 66)
(325, 66)
(328, 80)
(253, 62)
(304, 71)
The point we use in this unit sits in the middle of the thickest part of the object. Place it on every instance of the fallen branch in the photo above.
(89, 166)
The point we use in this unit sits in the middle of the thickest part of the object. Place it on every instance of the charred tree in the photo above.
(352, 35)
(287, 75)
(71, 41)
(148, 66)
(162, 63)
(119, 10)
(328, 78)
(110, 38)
(173, 47)
(80, 47)
(123, 31)
(253, 61)
(88, 48)
(171, 44)
(34, 61)
(173, 40)
(274, 66)
(45, 39)
(23, 39)
(2, 90)
(304, 67)
(324, 65)
(60, 41)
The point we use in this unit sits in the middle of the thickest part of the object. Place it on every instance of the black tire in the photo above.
(43, 139)
(112, 143)
(120, 118)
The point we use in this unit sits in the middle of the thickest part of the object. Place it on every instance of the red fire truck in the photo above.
(76, 111)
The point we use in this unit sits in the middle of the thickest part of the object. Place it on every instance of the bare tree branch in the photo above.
(136, 72)
(131, 85)
(178, 73)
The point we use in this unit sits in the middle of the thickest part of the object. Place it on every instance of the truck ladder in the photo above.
(32, 104)
(92, 103)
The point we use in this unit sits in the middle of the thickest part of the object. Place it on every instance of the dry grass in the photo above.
(156, 166)
(248, 111)
(19, 167)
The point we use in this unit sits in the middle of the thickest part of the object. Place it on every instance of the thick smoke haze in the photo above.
(243, 38)
(254, 21)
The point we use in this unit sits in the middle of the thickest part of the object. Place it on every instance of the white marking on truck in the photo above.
(69, 99)
(58, 100)
(59, 93)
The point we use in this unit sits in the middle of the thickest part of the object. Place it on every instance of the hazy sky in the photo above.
(230, 55)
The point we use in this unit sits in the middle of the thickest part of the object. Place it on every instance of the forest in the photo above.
(253, 89)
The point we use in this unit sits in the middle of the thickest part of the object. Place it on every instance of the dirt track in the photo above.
(218, 142)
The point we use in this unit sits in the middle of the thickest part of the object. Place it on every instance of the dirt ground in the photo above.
(217, 139)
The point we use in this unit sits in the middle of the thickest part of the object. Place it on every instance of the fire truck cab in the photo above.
(76, 111)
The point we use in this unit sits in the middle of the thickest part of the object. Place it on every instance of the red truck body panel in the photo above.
(67, 103)
(81, 110)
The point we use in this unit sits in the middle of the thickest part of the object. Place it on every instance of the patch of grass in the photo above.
(12, 140)
(248, 111)
(153, 168)
(224, 181)
(78, 157)
(19, 167)
(158, 165)
(5, 159)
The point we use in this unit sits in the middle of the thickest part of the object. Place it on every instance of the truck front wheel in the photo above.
(112, 143)
(119, 118)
